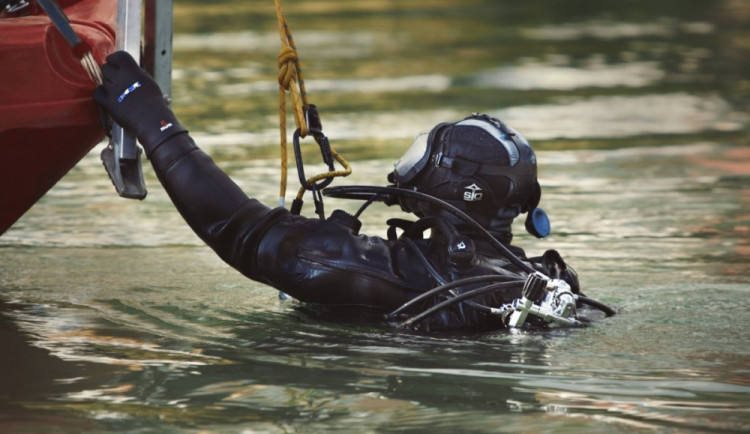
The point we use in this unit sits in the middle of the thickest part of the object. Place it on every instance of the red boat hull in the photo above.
(48, 120)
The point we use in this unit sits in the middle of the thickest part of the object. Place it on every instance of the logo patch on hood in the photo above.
(473, 193)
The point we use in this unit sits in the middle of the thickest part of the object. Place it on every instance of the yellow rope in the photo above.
(346, 172)
(290, 79)
(288, 62)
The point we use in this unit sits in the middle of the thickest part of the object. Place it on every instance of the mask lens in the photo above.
(413, 160)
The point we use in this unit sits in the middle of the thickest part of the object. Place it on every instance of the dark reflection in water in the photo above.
(115, 317)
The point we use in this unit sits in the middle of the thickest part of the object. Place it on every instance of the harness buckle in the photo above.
(441, 160)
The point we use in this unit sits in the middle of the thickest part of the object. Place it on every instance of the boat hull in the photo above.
(48, 120)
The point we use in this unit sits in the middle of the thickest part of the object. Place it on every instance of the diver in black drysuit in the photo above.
(479, 165)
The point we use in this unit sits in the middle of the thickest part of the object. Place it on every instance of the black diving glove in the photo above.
(135, 102)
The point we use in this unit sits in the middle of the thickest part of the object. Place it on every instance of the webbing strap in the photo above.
(81, 49)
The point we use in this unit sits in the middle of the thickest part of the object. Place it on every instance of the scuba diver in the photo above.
(465, 182)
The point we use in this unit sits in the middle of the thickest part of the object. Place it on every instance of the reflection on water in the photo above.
(614, 30)
(326, 44)
(115, 317)
(585, 118)
(636, 74)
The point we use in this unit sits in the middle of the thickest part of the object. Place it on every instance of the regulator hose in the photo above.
(458, 298)
(386, 194)
(451, 285)
(597, 304)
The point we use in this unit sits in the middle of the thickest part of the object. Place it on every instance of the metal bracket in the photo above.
(122, 159)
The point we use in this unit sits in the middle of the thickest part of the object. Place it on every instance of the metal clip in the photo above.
(13, 7)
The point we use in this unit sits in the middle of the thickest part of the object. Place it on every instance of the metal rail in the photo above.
(122, 156)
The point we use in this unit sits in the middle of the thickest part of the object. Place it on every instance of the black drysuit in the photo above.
(322, 262)
(325, 262)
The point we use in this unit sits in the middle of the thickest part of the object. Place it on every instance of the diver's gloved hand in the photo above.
(135, 102)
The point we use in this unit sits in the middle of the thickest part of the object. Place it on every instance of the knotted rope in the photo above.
(291, 80)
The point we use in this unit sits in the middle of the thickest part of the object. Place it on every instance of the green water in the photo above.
(115, 317)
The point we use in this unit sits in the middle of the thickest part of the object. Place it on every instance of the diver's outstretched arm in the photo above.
(212, 204)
